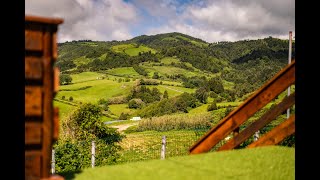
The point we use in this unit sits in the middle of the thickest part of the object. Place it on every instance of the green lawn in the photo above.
(169, 70)
(82, 60)
(172, 90)
(169, 60)
(122, 47)
(132, 51)
(270, 162)
(84, 76)
(124, 71)
(64, 109)
(117, 109)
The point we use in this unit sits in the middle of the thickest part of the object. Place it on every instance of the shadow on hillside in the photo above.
(70, 174)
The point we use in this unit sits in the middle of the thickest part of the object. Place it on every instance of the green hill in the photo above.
(174, 59)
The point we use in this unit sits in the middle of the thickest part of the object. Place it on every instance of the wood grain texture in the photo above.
(33, 40)
(260, 123)
(33, 133)
(33, 68)
(277, 134)
(33, 101)
(259, 99)
(33, 165)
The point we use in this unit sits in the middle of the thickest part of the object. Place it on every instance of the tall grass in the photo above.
(176, 122)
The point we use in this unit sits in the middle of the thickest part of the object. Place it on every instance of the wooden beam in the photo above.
(257, 125)
(277, 134)
(259, 99)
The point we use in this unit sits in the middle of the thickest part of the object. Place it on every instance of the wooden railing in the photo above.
(231, 123)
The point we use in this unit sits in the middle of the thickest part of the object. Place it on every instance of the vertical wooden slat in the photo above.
(41, 34)
(54, 46)
(48, 104)
(277, 134)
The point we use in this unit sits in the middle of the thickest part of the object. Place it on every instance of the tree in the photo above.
(202, 94)
(165, 94)
(212, 106)
(65, 79)
(123, 116)
(84, 125)
(155, 75)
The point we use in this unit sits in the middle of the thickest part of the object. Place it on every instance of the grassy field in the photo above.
(169, 60)
(117, 109)
(269, 162)
(172, 90)
(146, 145)
(169, 70)
(194, 42)
(85, 76)
(82, 60)
(124, 71)
(132, 51)
(122, 47)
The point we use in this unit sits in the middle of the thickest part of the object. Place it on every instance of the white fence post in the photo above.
(52, 162)
(163, 148)
(93, 151)
(256, 136)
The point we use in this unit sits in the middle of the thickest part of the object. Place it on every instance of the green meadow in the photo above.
(269, 162)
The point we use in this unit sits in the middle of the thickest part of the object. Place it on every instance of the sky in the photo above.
(209, 20)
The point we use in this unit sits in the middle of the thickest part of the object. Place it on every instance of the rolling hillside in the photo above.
(177, 62)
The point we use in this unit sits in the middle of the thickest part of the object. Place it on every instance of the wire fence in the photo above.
(148, 145)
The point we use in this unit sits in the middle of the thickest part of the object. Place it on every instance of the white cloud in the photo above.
(210, 20)
(87, 19)
(229, 20)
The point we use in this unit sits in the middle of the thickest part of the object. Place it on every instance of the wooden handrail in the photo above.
(254, 103)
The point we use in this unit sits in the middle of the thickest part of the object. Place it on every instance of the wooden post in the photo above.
(53, 162)
(163, 148)
(93, 154)
(289, 61)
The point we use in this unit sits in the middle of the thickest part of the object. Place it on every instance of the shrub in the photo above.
(63, 97)
(118, 100)
(123, 116)
(70, 98)
(135, 103)
(212, 106)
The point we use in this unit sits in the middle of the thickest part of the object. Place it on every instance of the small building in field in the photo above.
(136, 118)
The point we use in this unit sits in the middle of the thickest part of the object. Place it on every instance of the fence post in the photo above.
(93, 154)
(256, 136)
(163, 148)
(53, 162)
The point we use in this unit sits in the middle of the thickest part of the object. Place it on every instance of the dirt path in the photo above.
(123, 127)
